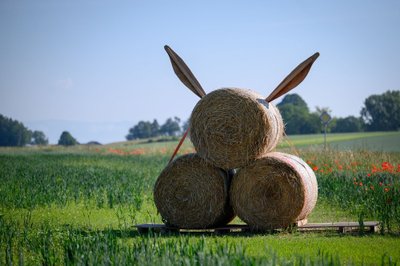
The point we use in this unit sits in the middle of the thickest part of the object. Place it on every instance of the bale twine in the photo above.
(231, 127)
(192, 193)
(275, 191)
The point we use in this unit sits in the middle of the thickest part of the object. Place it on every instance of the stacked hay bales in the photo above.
(235, 128)
(274, 191)
(192, 193)
(231, 127)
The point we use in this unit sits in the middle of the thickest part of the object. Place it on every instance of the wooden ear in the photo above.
(293, 79)
(183, 72)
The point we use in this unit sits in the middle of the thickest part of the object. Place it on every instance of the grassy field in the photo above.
(372, 141)
(78, 206)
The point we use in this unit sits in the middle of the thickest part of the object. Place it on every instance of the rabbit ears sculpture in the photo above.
(290, 82)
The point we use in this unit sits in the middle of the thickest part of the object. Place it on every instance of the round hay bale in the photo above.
(231, 127)
(275, 191)
(192, 193)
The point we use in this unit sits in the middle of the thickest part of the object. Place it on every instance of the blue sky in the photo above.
(96, 67)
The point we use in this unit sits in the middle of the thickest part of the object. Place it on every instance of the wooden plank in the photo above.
(302, 226)
(345, 224)
(161, 228)
(232, 228)
(342, 227)
(156, 228)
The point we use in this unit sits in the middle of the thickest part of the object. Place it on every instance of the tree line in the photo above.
(14, 133)
(147, 129)
(379, 113)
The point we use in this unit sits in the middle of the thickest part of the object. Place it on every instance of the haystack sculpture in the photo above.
(234, 128)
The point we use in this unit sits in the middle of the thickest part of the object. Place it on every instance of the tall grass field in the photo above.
(78, 206)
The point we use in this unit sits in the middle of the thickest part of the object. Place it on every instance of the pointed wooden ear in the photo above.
(293, 79)
(183, 72)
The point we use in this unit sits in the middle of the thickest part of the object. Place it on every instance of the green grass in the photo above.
(90, 216)
(369, 249)
(378, 141)
(78, 205)
(388, 143)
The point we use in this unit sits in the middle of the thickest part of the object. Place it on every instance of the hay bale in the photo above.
(231, 127)
(275, 191)
(192, 193)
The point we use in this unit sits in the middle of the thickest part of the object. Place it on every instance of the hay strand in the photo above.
(191, 193)
(275, 191)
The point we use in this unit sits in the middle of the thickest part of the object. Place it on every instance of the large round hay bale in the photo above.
(275, 191)
(231, 127)
(192, 193)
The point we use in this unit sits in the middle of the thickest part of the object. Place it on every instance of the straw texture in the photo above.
(231, 127)
(192, 193)
(274, 191)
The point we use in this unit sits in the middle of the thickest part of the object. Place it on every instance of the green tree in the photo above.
(66, 139)
(155, 128)
(13, 133)
(382, 112)
(312, 124)
(320, 110)
(294, 100)
(331, 125)
(39, 138)
(293, 117)
(171, 127)
(348, 124)
(142, 130)
(297, 117)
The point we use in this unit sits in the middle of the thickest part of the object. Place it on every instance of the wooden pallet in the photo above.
(341, 227)
(162, 228)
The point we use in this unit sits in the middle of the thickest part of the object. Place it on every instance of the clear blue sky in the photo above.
(102, 62)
